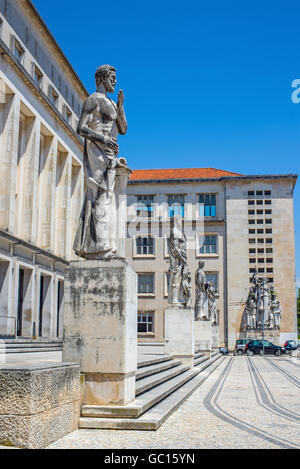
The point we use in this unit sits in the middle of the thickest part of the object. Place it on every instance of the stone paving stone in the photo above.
(245, 403)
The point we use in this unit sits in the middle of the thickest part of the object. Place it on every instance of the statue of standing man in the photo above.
(100, 123)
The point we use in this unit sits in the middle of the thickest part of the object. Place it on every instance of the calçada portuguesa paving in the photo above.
(248, 402)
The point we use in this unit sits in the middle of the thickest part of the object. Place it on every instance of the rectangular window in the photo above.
(251, 212)
(252, 251)
(212, 277)
(259, 202)
(37, 75)
(269, 270)
(261, 270)
(53, 96)
(269, 250)
(259, 212)
(176, 205)
(261, 260)
(268, 212)
(145, 205)
(260, 222)
(251, 241)
(269, 260)
(208, 207)
(145, 283)
(251, 231)
(260, 231)
(208, 244)
(251, 202)
(250, 193)
(251, 222)
(267, 192)
(268, 202)
(269, 231)
(67, 114)
(260, 251)
(269, 240)
(252, 261)
(145, 245)
(269, 221)
(145, 322)
(259, 192)
(18, 50)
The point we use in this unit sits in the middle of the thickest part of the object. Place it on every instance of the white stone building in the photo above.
(235, 223)
(41, 180)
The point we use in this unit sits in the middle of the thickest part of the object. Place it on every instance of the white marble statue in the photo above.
(180, 277)
(100, 123)
(201, 304)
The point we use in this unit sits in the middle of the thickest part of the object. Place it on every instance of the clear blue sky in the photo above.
(205, 83)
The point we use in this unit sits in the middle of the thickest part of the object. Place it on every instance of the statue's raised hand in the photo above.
(120, 98)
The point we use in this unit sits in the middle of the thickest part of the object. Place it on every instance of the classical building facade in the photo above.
(236, 224)
(41, 182)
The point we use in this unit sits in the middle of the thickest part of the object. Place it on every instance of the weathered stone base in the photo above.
(100, 328)
(215, 341)
(103, 387)
(179, 334)
(38, 404)
(203, 336)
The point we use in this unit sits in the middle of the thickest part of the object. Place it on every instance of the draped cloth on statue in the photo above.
(96, 234)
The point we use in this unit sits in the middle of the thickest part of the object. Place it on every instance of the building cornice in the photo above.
(292, 177)
(34, 15)
(36, 250)
(4, 50)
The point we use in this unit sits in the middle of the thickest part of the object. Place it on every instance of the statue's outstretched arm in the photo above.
(121, 118)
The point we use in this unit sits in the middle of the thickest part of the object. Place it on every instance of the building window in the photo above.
(212, 277)
(251, 202)
(269, 221)
(261, 270)
(67, 115)
(252, 260)
(251, 212)
(269, 270)
(37, 75)
(260, 231)
(145, 245)
(269, 250)
(269, 260)
(145, 322)
(259, 192)
(250, 193)
(145, 205)
(269, 230)
(176, 205)
(18, 50)
(259, 202)
(208, 207)
(145, 283)
(208, 244)
(268, 212)
(251, 231)
(268, 202)
(269, 240)
(261, 260)
(251, 241)
(251, 222)
(259, 212)
(260, 241)
(53, 96)
(260, 222)
(252, 251)
(267, 192)
(260, 251)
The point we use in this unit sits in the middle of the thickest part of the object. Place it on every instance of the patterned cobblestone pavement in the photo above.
(245, 403)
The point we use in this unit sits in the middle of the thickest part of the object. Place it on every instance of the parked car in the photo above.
(240, 346)
(258, 347)
(290, 345)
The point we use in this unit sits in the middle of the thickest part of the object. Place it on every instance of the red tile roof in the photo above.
(180, 173)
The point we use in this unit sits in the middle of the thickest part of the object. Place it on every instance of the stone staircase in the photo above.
(162, 384)
(8, 346)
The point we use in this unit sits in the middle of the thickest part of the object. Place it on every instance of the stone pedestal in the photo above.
(203, 336)
(38, 403)
(100, 328)
(179, 334)
(215, 341)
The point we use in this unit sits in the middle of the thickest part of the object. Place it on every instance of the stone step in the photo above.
(202, 359)
(4, 351)
(152, 360)
(199, 354)
(154, 417)
(156, 368)
(154, 380)
(143, 402)
(208, 362)
(216, 352)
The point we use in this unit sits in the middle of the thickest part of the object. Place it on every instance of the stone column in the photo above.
(180, 334)
(100, 328)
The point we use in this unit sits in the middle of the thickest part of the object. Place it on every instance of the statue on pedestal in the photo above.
(262, 308)
(201, 306)
(100, 123)
(212, 305)
(180, 277)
